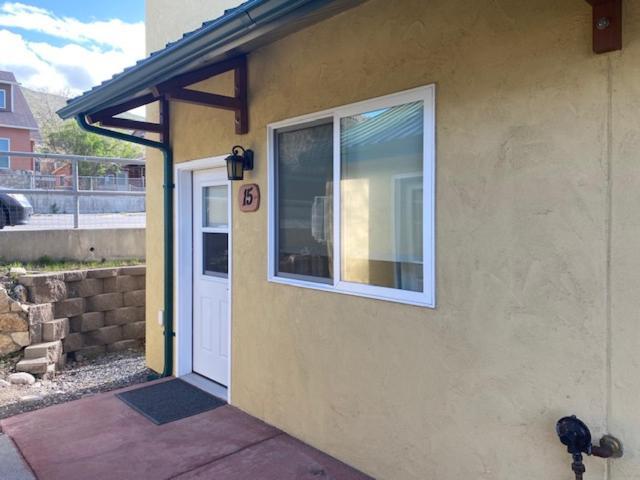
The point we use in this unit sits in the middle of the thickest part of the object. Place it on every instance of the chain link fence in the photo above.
(70, 191)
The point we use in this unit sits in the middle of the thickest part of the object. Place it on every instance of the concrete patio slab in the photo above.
(101, 438)
(279, 458)
(12, 466)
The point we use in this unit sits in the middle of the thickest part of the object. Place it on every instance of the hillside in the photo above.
(44, 106)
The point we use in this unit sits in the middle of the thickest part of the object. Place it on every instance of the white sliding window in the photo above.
(352, 199)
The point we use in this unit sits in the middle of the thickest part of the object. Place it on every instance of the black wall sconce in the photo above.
(239, 161)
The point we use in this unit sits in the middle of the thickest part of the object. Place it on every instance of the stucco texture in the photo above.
(537, 231)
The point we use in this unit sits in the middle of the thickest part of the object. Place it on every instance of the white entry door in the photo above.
(211, 260)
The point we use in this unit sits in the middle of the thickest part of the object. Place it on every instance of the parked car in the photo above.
(15, 209)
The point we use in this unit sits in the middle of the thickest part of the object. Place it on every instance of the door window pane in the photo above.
(215, 210)
(215, 255)
(381, 197)
(304, 202)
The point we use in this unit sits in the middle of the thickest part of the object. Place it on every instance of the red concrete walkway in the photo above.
(101, 438)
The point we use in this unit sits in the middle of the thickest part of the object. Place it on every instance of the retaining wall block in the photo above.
(134, 330)
(135, 298)
(85, 288)
(87, 321)
(45, 287)
(104, 302)
(73, 342)
(75, 275)
(124, 283)
(38, 314)
(103, 336)
(69, 308)
(135, 270)
(102, 272)
(50, 350)
(55, 329)
(124, 315)
(35, 366)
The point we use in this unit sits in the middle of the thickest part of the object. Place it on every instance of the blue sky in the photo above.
(67, 46)
(126, 10)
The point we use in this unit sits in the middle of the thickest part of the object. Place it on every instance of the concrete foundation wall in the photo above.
(110, 244)
(47, 203)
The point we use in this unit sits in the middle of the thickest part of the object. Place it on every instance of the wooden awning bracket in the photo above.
(607, 25)
(176, 89)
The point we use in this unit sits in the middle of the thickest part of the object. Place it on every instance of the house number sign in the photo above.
(249, 197)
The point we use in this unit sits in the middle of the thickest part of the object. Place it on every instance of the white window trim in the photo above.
(427, 298)
(8, 167)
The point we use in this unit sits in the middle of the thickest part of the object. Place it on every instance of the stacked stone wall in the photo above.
(14, 324)
(94, 311)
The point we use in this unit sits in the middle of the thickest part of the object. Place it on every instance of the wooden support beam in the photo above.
(196, 76)
(165, 134)
(607, 25)
(175, 89)
(121, 108)
(204, 98)
(129, 124)
(241, 88)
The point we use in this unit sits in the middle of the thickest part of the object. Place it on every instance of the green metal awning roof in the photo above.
(239, 31)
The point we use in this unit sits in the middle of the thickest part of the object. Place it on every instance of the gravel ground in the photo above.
(77, 380)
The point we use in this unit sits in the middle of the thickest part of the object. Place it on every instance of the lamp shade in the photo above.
(238, 162)
(235, 166)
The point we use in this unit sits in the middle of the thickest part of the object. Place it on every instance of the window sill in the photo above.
(346, 291)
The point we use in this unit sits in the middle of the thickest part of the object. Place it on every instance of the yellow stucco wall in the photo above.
(538, 187)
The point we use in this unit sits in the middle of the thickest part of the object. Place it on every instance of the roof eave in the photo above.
(248, 27)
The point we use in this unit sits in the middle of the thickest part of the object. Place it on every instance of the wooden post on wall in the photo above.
(607, 25)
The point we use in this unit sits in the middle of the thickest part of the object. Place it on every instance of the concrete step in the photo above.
(53, 330)
(50, 350)
(35, 366)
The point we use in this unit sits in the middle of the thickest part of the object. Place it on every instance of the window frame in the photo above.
(3, 104)
(8, 167)
(426, 298)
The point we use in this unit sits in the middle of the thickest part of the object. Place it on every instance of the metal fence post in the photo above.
(76, 197)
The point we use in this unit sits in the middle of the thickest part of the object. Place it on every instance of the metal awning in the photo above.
(239, 31)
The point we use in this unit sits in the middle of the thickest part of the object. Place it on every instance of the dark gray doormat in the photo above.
(166, 402)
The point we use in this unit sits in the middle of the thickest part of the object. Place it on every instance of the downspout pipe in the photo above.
(165, 147)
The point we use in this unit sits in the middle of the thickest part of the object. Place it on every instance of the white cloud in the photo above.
(90, 52)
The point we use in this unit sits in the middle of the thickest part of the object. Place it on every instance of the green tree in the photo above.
(69, 138)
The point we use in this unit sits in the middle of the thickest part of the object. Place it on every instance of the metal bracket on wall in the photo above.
(607, 25)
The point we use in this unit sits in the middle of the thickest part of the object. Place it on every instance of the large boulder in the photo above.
(14, 324)
(45, 287)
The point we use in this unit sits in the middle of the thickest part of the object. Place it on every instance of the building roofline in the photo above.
(239, 31)
(19, 127)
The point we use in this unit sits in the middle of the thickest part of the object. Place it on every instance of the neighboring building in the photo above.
(445, 258)
(18, 127)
